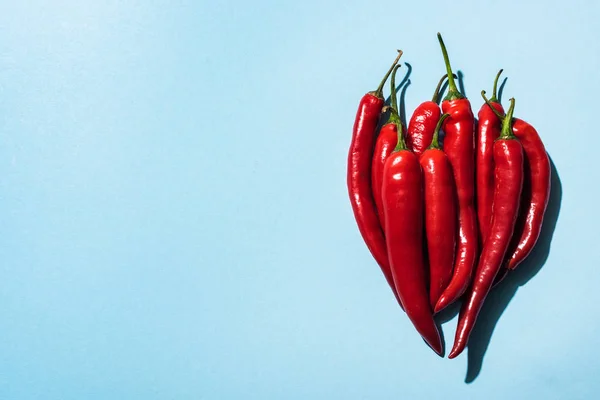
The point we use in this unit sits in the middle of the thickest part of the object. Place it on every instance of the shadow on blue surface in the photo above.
(402, 104)
(404, 80)
(461, 83)
(500, 297)
(501, 89)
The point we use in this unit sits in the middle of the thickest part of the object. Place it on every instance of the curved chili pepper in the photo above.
(536, 193)
(508, 181)
(386, 142)
(459, 146)
(422, 123)
(402, 192)
(488, 130)
(359, 175)
(535, 201)
(440, 215)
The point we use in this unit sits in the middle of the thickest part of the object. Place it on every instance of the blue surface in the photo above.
(174, 222)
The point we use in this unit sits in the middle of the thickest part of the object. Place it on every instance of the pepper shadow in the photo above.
(402, 104)
(405, 80)
(501, 89)
(500, 297)
(461, 83)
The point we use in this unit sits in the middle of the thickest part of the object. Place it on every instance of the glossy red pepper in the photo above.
(536, 193)
(359, 175)
(440, 215)
(422, 123)
(384, 146)
(488, 130)
(535, 196)
(459, 146)
(508, 184)
(402, 192)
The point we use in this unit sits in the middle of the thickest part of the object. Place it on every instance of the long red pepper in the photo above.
(359, 175)
(385, 144)
(488, 130)
(402, 192)
(535, 201)
(508, 184)
(459, 146)
(422, 123)
(440, 215)
(536, 192)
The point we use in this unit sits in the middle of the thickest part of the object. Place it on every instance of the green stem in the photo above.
(401, 145)
(489, 103)
(379, 92)
(394, 117)
(453, 92)
(394, 95)
(495, 91)
(507, 132)
(435, 144)
(436, 94)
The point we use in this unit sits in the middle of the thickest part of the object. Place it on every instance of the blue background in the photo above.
(174, 221)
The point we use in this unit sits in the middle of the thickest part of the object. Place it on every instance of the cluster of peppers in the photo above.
(446, 222)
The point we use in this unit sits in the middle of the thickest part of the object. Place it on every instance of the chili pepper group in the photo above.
(447, 219)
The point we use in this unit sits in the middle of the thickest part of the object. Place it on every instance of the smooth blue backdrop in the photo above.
(174, 222)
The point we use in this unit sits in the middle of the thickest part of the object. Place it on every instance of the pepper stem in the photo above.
(453, 92)
(489, 103)
(379, 92)
(507, 132)
(401, 145)
(495, 91)
(436, 94)
(435, 140)
(394, 117)
(394, 95)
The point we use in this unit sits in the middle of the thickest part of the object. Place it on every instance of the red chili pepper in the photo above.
(402, 192)
(386, 142)
(459, 146)
(508, 181)
(440, 215)
(488, 130)
(423, 121)
(359, 175)
(536, 192)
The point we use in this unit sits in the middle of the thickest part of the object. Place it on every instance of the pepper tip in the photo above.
(436, 346)
(455, 352)
(440, 305)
